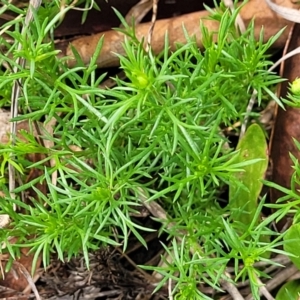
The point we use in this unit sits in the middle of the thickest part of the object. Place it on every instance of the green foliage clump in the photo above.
(156, 134)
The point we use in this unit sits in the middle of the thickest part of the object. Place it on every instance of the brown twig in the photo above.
(264, 17)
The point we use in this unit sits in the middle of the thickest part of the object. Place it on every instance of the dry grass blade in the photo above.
(170, 289)
(285, 57)
(153, 20)
(16, 90)
(239, 21)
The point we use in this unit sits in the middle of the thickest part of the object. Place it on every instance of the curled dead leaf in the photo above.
(285, 12)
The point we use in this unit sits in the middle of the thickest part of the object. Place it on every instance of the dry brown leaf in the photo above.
(138, 11)
(15, 278)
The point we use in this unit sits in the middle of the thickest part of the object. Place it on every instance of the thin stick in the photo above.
(232, 290)
(263, 290)
(277, 280)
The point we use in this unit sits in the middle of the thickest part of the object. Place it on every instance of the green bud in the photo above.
(295, 87)
(142, 81)
(139, 79)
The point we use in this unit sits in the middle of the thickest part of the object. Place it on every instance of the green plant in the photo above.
(158, 132)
